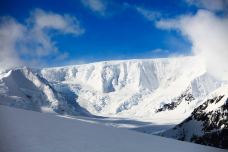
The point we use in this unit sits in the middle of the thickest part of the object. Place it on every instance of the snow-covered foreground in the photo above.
(27, 131)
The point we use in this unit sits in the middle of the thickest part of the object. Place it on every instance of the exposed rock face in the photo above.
(184, 97)
(215, 124)
(210, 120)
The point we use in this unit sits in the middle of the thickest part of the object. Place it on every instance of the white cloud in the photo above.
(63, 23)
(168, 24)
(10, 32)
(209, 37)
(148, 14)
(98, 6)
(213, 5)
(31, 43)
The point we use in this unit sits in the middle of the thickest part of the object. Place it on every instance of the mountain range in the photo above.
(177, 92)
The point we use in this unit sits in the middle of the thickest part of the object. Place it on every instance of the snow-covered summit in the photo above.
(110, 76)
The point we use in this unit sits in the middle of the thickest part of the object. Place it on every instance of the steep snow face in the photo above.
(106, 77)
(135, 88)
(25, 89)
(204, 84)
(208, 123)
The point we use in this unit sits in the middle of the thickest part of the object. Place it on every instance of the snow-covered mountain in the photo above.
(136, 88)
(208, 123)
(160, 91)
(24, 88)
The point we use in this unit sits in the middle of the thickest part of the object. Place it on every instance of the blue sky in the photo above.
(120, 29)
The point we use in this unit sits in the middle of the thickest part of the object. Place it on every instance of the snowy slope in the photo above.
(26, 131)
(208, 123)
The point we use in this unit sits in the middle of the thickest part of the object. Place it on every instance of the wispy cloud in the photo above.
(148, 14)
(209, 36)
(159, 51)
(98, 6)
(65, 23)
(32, 43)
(10, 33)
(212, 5)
